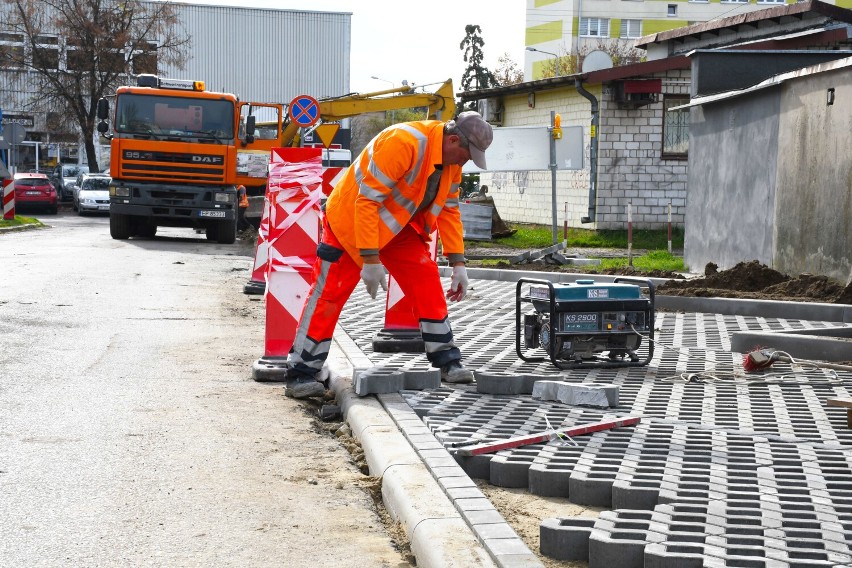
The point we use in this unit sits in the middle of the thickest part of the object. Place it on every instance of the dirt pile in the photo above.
(755, 280)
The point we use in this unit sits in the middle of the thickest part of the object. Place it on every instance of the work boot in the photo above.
(454, 372)
(303, 387)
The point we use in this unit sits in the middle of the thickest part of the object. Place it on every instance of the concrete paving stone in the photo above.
(496, 382)
(483, 516)
(477, 467)
(494, 531)
(673, 555)
(456, 482)
(636, 492)
(473, 504)
(511, 469)
(623, 548)
(377, 380)
(422, 379)
(464, 493)
(510, 548)
(551, 470)
(566, 538)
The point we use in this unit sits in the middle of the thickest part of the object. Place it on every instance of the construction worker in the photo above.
(242, 206)
(403, 186)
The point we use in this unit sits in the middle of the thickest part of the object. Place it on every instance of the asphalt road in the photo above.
(131, 432)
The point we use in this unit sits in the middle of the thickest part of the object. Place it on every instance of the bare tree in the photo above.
(508, 72)
(571, 61)
(78, 51)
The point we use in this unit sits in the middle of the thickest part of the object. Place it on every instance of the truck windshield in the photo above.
(174, 116)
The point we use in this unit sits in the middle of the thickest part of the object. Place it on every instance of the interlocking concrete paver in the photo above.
(725, 469)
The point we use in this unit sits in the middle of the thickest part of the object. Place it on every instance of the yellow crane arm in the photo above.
(441, 105)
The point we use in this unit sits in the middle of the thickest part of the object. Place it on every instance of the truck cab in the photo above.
(172, 159)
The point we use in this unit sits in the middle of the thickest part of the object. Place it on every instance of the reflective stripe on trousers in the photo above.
(407, 258)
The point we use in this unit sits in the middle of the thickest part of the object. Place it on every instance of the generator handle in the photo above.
(651, 297)
(518, 299)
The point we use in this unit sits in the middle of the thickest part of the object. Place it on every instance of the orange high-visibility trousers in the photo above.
(335, 276)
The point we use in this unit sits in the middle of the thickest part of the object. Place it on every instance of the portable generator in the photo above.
(576, 323)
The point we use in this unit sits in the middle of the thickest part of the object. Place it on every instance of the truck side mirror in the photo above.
(103, 109)
(250, 126)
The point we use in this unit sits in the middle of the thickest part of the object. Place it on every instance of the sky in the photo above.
(417, 42)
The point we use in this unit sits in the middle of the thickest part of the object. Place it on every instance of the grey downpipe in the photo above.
(593, 151)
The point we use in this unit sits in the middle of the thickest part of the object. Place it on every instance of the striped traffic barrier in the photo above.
(294, 217)
(8, 200)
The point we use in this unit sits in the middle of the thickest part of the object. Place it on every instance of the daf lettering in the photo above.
(207, 159)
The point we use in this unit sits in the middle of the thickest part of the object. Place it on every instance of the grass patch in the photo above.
(18, 221)
(541, 236)
(654, 260)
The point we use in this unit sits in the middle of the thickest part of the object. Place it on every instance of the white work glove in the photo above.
(373, 276)
(458, 284)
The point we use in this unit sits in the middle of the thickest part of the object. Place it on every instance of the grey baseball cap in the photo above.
(478, 133)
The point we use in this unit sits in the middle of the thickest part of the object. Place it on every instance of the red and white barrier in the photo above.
(401, 332)
(8, 200)
(294, 220)
(257, 281)
(330, 177)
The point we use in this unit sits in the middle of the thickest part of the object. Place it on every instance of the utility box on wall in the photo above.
(636, 93)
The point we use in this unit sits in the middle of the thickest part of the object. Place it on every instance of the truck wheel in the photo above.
(146, 228)
(227, 232)
(119, 226)
(212, 231)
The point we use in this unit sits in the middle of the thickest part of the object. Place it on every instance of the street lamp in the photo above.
(393, 86)
(555, 58)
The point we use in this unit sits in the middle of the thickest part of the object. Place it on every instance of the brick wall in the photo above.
(630, 167)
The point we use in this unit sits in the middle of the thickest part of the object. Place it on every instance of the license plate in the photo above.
(103, 207)
(33, 193)
(219, 214)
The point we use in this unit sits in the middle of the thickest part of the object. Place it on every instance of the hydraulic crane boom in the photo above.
(441, 105)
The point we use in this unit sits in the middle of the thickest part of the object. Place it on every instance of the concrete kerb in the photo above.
(439, 536)
(26, 227)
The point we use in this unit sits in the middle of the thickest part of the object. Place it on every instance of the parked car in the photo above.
(34, 190)
(64, 176)
(91, 193)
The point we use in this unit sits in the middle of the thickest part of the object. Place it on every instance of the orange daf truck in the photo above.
(177, 154)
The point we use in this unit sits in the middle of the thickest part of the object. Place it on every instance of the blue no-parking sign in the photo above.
(304, 110)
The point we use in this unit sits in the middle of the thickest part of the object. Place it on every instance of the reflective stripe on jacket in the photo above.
(380, 192)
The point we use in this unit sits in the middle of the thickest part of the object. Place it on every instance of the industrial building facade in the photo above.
(263, 55)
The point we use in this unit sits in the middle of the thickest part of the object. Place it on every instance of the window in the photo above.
(631, 29)
(675, 127)
(672, 12)
(46, 52)
(11, 50)
(145, 59)
(734, 1)
(594, 27)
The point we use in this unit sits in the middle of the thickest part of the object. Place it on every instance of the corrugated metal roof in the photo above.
(775, 81)
(750, 19)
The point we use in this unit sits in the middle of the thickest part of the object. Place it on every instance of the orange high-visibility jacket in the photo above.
(241, 191)
(380, 192)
